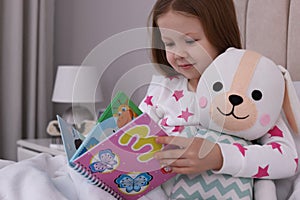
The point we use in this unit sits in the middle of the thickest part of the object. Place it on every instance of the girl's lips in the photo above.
(186, 66)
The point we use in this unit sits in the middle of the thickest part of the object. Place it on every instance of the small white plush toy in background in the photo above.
(241, 96)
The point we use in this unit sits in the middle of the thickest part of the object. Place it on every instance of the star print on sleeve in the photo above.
(275, 132)
(178, 129)
(276, 145)
(148, 100)
(178, 94)
(262, 172)
(241, 148)
(172, 77)
(185, 114)
(164, 122)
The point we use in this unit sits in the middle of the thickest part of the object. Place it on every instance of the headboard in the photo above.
(272, 28)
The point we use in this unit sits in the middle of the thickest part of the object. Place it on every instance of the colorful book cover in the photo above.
(72, 139)
(100, 132)
(120, 111)
(122, 108)
(123, 163)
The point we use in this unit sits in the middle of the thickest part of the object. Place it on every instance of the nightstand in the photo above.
(31, 147)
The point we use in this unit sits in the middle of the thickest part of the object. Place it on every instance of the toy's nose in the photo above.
(235, 100)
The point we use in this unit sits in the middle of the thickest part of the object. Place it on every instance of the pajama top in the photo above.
(274, 155)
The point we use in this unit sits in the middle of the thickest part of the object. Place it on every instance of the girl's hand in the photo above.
(194, 155)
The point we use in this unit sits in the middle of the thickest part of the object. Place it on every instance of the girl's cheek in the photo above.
(170, 58)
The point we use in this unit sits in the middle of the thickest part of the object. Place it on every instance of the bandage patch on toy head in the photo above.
(241, 93)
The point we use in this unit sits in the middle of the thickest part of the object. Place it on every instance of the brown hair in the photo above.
(218, 19)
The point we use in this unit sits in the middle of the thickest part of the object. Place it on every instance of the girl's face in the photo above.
(187, 49)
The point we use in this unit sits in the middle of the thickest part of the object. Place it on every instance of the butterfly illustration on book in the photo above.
(106, 161)
(131, 183)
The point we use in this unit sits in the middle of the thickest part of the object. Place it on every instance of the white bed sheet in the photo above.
(45, 177)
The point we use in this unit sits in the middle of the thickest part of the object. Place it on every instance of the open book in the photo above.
(119, 112)
(121, 161)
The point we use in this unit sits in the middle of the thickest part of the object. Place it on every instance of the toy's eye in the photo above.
(124, 109)
(256, 95)
(217, 86)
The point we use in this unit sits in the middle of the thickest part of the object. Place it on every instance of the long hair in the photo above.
(218, 18)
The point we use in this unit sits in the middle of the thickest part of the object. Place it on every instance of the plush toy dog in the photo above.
(241, 95)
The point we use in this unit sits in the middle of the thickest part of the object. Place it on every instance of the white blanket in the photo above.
(45, 177)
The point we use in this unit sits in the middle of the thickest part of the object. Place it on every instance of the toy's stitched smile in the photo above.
(231, 113)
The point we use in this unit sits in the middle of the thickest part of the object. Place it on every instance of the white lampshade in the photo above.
(77, 84)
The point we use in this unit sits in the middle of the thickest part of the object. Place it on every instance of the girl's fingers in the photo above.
(175, 162)
(182, 170)
(170, 154)
(181, 142)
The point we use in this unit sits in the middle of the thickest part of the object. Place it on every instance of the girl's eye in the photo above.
(169, 44)
(124, 109)
(190, 41)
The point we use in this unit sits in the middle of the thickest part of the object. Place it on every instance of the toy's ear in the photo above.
(291, 104)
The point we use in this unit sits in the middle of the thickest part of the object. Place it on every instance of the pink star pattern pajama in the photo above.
(174, 107)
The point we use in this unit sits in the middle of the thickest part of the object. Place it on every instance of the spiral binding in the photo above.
(95, 181)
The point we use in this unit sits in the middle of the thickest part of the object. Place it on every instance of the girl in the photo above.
(187, 36)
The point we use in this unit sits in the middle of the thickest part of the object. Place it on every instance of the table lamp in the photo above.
(77, 85)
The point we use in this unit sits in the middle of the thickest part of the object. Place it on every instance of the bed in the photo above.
(45, 177)
(267, 26)
(272, 28)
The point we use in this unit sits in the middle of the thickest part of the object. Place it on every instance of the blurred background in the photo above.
(38, 36)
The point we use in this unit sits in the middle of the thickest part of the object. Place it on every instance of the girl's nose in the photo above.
(180, 53)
